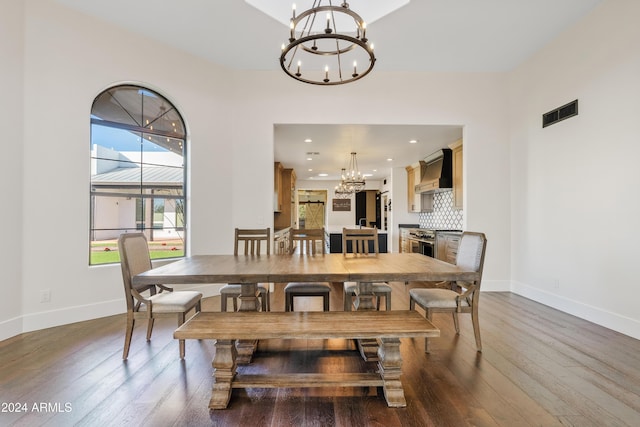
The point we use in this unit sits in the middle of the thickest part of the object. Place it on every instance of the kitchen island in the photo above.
(333, 239)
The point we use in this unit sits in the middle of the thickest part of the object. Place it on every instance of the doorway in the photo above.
(367, 212)
(312, 208)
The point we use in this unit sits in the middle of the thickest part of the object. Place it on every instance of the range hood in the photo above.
(437, 174)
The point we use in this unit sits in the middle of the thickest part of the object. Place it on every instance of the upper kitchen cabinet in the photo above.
(415, 201)
(287, 215)
(456, 149)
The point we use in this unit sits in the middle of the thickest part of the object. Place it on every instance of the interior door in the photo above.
(314, 214)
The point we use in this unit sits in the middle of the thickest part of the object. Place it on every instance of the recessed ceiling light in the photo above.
(413, 141)
(389, 159)
(309, 170)
(308, 140)
(323, 174)
(309, 158)
(367, 174)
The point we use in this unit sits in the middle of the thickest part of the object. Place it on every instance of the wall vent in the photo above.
(560, 113)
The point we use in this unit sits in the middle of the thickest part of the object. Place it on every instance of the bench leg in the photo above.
(224, 370)
(390, 367)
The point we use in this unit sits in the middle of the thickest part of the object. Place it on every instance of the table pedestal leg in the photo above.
(248, 302)
(368, 347)
(224, 370)
(390, 368)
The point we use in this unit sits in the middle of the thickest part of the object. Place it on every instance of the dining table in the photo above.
(249, 270)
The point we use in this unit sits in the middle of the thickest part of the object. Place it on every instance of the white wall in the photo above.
(11, 159)
(575, 204)
(230, 118)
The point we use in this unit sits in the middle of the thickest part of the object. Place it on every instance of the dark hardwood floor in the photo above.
(539, 367)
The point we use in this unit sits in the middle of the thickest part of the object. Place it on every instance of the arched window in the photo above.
(138, 173)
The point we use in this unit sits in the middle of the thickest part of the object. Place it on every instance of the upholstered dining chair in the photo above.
(310, 242)
(149, 301)
(251, 241)
(462, 297)
(363, 241)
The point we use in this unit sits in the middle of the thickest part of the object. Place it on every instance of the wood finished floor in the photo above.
(539, 367)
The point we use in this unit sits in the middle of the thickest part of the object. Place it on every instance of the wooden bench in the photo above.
(385, 326)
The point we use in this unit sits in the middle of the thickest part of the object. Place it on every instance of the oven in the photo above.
(422, 241)
(428, 249)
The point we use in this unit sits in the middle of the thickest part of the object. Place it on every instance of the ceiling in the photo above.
(459, 36)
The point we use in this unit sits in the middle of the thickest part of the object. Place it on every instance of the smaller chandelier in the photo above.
(318, 53)
(341, 190)
(353, 180)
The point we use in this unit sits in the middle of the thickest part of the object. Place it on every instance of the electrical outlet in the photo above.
(45, 295)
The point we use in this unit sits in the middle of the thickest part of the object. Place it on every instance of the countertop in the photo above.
(335, 229)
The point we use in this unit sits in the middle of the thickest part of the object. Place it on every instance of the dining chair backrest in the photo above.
(134, 259)
(252, 240)
(471, 251)
(361, 240)
(309, 240)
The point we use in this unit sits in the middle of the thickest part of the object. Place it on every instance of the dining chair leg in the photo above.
(387, 302)
(325, 302)
(223, 303)
(455, 322)
(181, 342)
(347, 301)
(235, 304)
(127, 337)
(476, 327)
(150, 328)
(288, 303)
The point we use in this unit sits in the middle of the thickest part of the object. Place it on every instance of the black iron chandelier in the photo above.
(328, 45)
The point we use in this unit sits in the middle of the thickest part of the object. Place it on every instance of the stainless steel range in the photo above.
(423, 241)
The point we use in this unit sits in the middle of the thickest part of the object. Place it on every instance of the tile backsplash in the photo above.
(444, 216)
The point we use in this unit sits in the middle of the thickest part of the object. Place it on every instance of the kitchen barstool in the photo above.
(308, 240)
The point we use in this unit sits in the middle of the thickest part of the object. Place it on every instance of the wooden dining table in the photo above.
(249, 270)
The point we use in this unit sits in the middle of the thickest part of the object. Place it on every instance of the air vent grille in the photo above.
(560, 113)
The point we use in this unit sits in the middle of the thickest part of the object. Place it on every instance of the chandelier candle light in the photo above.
(318, 53)
(341, 190)
(353, 180)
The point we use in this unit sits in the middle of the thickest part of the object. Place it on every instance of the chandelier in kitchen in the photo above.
(341, 190)
(328, 45)
(352, 181)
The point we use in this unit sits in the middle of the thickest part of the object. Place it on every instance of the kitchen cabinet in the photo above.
(287, 216)
(447, 246)
(404, 240)
(456, 149)
(417, 202)
(277, 186)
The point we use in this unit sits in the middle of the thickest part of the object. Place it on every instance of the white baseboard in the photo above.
(495, 286)
(64, 316)
(607, 319)
(10, 328)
